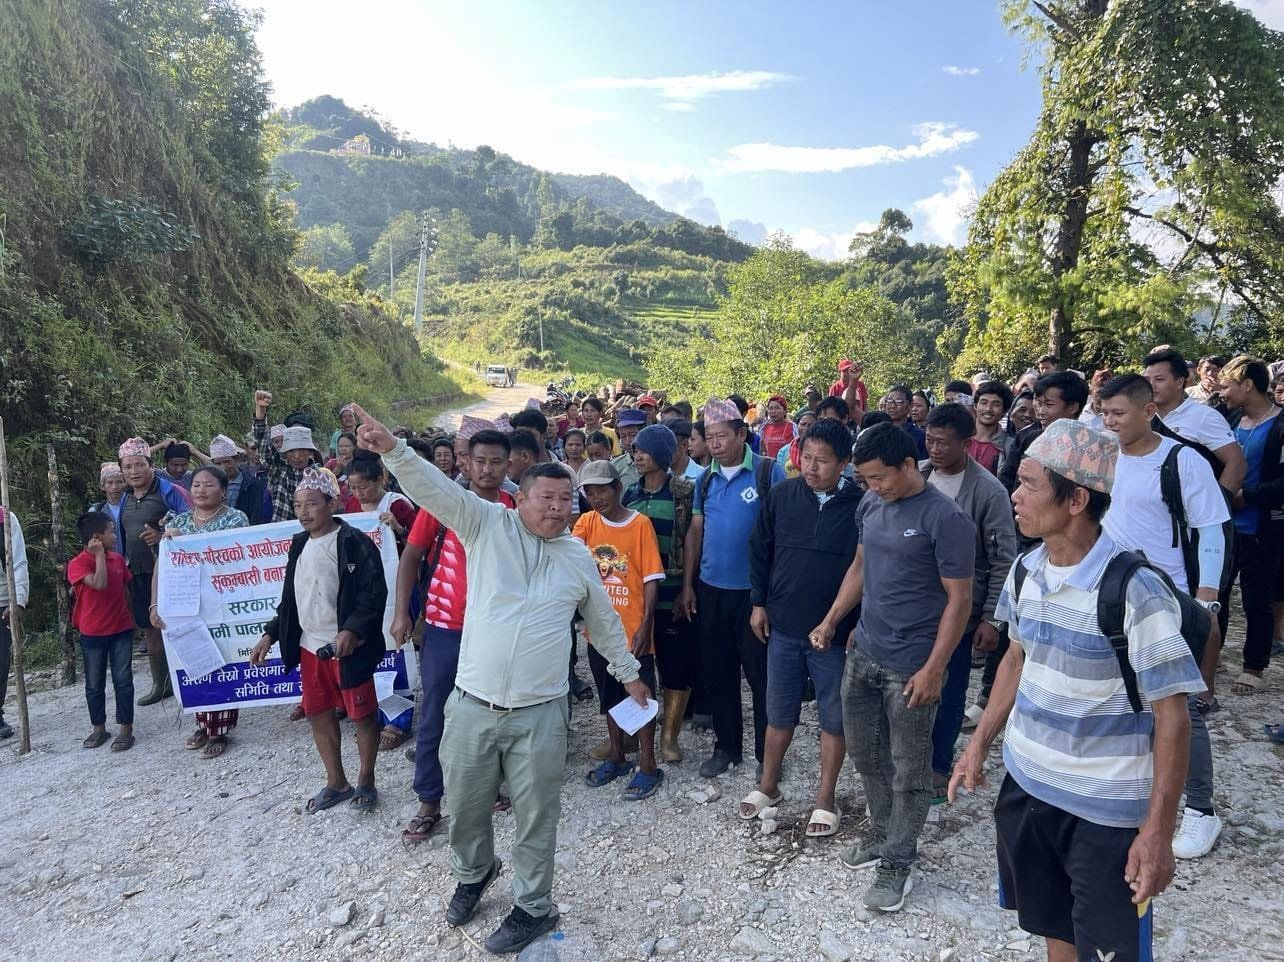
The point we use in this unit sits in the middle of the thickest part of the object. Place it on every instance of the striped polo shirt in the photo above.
(1072, 739)
(660, 507)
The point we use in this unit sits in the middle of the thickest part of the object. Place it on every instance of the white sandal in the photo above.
(1253, 684)
(828, 819)
(759, 801)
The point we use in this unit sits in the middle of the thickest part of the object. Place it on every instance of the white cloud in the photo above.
(934, 139)
(954, 71)
(945, 213)
(684, 194)
(682, 92)
(1270, 12)
(750, 231)
(828, 246)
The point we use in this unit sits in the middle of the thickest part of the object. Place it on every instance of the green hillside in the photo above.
(145, 278)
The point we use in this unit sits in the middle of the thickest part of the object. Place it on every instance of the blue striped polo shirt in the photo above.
(1072, 739)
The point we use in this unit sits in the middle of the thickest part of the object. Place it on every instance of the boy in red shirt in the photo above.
(101, 614)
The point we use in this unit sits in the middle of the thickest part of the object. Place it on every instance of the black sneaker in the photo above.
(519, 930)
(463, 904)
(6, 730)
(717, 763)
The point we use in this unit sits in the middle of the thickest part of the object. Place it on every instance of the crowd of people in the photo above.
(1073, 540)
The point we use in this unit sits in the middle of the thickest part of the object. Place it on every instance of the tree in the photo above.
(325, 248)
(783, 324)
(1145, 194)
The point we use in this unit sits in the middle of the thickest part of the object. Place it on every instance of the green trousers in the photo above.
(480, 750)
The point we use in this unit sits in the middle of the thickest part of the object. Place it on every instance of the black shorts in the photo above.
(140, 600)
(1064, 876)
(609, 691)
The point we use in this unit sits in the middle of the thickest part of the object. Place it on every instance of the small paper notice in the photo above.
(192, 645)
(178, 591)
(631, 716)
(385, 683)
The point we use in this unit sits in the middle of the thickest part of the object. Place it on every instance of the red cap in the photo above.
(780, 399)
(845, 365)
(647, 399)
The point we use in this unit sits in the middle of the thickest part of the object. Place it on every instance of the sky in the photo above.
(759, 116)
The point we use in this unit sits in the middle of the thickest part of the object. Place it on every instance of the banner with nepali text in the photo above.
(217, 590)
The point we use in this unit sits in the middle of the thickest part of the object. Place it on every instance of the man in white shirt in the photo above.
(1195, 423)
(11, 609)
(1140, 520)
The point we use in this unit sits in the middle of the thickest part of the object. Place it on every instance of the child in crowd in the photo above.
(330, 624)
(101, 614)
(624, 548)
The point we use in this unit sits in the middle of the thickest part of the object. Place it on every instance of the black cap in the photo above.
(679, 426)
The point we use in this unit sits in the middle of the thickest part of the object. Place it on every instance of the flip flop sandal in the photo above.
(391, 737)
(297, 713)
(642, 785)
(1275, 733)
(829, 821)
(215, 747)
(123, 743)
(196, 740)
(364, 799)
(608, 771)
(328, 798)
(1209, 707)
(421, 827)
(502, 804)
(1247, 684)
(96, 740)
(759, 801)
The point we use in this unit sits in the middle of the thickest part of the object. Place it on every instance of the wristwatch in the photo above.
(1212, 607)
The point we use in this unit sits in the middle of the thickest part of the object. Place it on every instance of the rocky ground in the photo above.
(156, 854)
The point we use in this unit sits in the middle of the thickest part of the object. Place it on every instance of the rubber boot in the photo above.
(675, 707)
(160, 680)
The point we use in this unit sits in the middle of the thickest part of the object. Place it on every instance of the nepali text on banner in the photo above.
(242, 573)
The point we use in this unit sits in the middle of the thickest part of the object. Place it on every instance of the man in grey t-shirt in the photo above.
(912, 576)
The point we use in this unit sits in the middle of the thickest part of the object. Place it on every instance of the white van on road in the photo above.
(496, 376)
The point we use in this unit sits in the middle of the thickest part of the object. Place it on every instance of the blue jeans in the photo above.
(438, 662)
(99, 650)
(790, 661)
(949, 714)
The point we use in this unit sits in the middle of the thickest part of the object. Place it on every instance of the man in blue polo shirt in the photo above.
(728, 496)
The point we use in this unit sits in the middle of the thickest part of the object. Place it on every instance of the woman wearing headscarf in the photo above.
(777, 431)
(790, 456)
(209, 512)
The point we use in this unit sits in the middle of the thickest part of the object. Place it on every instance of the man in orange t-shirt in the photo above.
(624, 548)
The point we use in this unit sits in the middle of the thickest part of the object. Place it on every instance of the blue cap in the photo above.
(630, 417)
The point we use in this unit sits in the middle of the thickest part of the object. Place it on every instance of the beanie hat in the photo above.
(659, 442)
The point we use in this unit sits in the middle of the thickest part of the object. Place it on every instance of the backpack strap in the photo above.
(1170, 492)
(1111, 597)
(1018, 580)
(762, 476)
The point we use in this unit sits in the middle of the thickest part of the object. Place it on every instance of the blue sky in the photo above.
(806, 118)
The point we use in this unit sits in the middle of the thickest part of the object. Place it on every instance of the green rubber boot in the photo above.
(161, 687)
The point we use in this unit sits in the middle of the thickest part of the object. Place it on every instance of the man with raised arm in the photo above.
(507, 719)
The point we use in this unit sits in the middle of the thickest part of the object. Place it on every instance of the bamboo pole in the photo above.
(15, 624)
(60, 565)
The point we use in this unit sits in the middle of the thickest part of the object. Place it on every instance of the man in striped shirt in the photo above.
(1086, 813)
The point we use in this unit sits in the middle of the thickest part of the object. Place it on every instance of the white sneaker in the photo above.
(972, 717)
(1196, 834)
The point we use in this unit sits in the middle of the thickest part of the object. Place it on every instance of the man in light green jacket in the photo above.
(507, 720)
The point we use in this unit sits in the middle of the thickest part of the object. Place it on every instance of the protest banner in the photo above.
(238, 575)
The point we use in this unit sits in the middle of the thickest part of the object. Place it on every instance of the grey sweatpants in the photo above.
(1199, 776)
(481, 749)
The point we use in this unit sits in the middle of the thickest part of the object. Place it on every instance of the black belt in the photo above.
(487, 704)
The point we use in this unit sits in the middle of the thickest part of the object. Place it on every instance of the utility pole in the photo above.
(392, 278)
(541, 332)
(427, 244)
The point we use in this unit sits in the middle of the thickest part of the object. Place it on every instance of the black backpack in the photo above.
(1204, 451)
(761, 477)
(1196, 621)
(1184, 536)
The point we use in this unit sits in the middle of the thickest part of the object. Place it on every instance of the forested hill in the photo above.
(145, 278)
(354, 169)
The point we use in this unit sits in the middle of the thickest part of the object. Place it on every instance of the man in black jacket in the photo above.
(803, 543)
(330, 623)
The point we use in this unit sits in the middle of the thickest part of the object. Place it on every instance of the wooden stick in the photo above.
(60, 566)
(15, 624)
